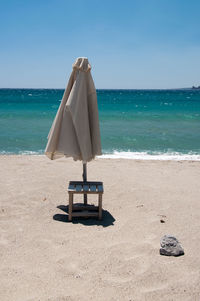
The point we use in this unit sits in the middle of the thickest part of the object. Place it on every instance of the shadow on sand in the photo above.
(107, 218)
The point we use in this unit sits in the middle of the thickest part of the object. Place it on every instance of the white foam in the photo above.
(40, 152)
(175, 156)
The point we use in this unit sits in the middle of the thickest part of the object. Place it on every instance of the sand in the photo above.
(44, 257)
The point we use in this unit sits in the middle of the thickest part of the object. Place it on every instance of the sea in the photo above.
(134, 124)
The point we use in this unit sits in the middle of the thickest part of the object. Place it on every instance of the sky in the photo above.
(138, 44)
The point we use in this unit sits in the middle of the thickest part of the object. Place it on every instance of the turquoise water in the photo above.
(134, 121)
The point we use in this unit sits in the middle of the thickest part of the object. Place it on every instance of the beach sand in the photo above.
(44, 257)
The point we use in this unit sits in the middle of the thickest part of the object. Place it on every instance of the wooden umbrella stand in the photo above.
(85, 187)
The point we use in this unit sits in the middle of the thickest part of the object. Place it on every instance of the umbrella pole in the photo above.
(85, 180)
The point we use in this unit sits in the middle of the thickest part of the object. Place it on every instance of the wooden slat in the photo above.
(94, 183)
(100, 188)
(100, 206)
(79, 187)
(85, 187)
(87, 183)
(70, 207)
(85, 213)
(84, 192)
(85, 207)
(71, 187)
(93, 188)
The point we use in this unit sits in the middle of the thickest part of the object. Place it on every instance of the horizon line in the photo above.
(187, 88)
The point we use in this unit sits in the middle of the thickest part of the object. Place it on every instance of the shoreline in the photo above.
(126, 156)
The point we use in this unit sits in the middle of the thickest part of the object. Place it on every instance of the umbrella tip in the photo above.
(82, 64)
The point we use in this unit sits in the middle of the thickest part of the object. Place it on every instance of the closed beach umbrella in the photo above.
(75, 131)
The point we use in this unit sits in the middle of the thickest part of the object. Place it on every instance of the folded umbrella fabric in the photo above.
(75, 131)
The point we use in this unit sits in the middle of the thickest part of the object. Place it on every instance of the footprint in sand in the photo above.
(122, 270)
(69, 267)
(56, 298)
(61, 298)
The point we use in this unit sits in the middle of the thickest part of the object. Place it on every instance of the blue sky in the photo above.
(130, 44)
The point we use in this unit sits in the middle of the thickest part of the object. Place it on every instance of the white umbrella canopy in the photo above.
(75, 131)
